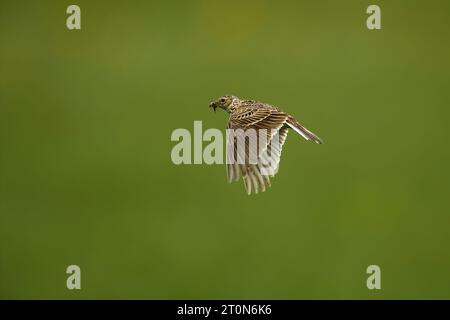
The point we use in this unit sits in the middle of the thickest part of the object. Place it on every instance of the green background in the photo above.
(86, 176)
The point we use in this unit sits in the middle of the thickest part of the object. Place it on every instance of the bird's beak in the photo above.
(213, 105)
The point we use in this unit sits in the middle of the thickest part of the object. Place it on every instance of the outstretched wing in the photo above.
(255, 165)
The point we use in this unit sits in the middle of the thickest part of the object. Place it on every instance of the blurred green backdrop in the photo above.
(85, 170)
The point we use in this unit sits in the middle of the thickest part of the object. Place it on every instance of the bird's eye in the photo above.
(222, 100)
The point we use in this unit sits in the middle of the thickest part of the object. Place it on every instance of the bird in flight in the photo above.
(256, 158)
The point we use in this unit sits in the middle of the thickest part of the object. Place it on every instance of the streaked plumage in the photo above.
(250, 114)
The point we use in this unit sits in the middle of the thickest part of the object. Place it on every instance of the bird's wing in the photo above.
(262, 108)
(256, 165)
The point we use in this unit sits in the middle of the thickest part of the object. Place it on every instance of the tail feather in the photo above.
(301, 130)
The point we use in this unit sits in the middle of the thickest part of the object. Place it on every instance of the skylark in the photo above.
(256, 165)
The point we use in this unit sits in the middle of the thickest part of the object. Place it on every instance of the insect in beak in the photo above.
(213, 105)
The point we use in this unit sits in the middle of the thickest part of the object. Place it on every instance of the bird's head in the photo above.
(224, 103)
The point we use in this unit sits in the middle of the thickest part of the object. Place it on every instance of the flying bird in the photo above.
(256, 167)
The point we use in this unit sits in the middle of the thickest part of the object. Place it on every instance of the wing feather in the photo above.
(255, 176)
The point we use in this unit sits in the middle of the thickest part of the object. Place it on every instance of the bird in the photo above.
(269, 122)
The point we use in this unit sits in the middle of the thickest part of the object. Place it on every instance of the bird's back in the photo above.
(252, 104)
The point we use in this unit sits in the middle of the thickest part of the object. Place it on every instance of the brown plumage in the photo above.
(258, 160)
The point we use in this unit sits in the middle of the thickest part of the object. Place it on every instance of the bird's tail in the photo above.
(301, 130)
